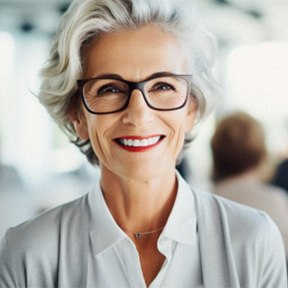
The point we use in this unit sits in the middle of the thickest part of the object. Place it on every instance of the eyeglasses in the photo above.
(162, 91)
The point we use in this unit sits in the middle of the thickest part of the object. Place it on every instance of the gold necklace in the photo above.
(138, 235)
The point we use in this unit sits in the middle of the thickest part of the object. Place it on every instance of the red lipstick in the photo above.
(139, 143)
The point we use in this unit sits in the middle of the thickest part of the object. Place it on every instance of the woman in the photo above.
(237, 169)
(144, 64)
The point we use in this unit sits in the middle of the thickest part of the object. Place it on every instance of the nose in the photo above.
(138, 112)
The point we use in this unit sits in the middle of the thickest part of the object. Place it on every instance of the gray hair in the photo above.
(86, 20)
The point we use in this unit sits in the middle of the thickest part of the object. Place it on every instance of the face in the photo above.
(159, 135)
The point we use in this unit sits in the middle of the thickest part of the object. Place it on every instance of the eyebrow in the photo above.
(117, 76)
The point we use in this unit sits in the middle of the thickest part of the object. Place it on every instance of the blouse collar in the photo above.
(180, 227)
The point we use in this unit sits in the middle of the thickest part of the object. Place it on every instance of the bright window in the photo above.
(256, 81)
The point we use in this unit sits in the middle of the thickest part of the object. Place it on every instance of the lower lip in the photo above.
(139, 149)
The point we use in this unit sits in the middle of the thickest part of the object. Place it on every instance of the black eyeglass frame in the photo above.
(134, 86)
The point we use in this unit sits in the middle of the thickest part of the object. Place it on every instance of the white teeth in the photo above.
(140, 143)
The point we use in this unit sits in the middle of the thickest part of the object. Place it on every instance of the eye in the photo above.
(108, 89)
(163, 86)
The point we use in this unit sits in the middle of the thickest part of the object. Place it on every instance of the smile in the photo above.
(138, 144)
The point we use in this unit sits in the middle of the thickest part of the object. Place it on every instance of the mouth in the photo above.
(139, 144)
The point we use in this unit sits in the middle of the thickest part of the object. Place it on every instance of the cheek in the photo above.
(98, 143)
(178, 130)
(184, 124)
(94, 131)
(99, 129)
(96, 135)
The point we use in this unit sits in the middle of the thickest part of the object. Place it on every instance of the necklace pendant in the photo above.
(138, 235)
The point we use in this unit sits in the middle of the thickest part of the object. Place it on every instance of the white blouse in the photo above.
(116, 260)
(79, 245)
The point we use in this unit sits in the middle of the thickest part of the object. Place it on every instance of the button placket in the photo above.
(132, 265)
(165, 247)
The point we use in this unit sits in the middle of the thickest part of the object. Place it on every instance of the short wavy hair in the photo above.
(86, 20)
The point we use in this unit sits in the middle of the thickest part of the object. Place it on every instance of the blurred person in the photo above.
(280, 178)
(238, 151)
(129, 80)
(16, 204)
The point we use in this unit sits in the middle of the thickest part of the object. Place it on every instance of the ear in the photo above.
(191, 114)
(79, 122)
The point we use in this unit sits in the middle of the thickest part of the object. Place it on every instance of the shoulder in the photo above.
(241, 226)
(218, 204)
(246, 236)
(39, 245)
(238, 220)
(46, 228)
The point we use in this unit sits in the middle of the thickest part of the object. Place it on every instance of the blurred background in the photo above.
(41, 169)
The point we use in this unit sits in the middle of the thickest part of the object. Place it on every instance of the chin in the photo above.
(146, 175)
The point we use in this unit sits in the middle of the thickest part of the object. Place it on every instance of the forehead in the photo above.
(135, 53)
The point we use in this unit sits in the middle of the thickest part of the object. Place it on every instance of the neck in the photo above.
(139, 205)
